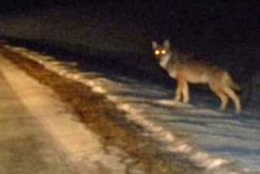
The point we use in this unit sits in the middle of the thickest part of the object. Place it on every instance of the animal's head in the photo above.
(164, 51)
(160, 51)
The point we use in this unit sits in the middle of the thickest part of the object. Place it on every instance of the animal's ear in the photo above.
(154, 44)
(166, 43)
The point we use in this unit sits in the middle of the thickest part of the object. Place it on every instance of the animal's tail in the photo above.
(231, 83)
(236, 86)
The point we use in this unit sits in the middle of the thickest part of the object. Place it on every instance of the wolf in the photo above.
(197, 72)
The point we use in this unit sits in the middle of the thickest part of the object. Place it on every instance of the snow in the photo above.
(220, 142)
(68, 139)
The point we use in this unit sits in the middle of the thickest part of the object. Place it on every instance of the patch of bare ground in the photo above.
(102, 117)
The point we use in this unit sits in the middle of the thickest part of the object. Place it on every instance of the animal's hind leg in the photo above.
(222, 96)
(234, 97)
(224, 100)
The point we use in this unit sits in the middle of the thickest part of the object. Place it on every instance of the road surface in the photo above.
(39, 135)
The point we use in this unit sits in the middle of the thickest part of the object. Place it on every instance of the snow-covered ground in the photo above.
(220, 142)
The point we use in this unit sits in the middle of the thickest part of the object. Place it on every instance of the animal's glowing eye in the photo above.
(157, 52)
(163, 52)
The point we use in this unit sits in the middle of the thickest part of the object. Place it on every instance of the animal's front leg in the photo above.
(178, 91)
(177, 94)
(185, 92)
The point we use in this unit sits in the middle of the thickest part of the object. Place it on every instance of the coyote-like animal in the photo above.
(219, 80)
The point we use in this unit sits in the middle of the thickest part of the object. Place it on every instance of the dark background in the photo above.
(193, 26)
(116, 36)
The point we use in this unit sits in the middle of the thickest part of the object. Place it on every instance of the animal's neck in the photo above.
(164, 60)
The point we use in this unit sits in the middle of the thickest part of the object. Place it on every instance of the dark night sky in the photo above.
(198, 26)
(191, 13)
(11, 6)
(236, 21)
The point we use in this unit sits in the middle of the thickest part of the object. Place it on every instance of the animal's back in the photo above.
(194, 72)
